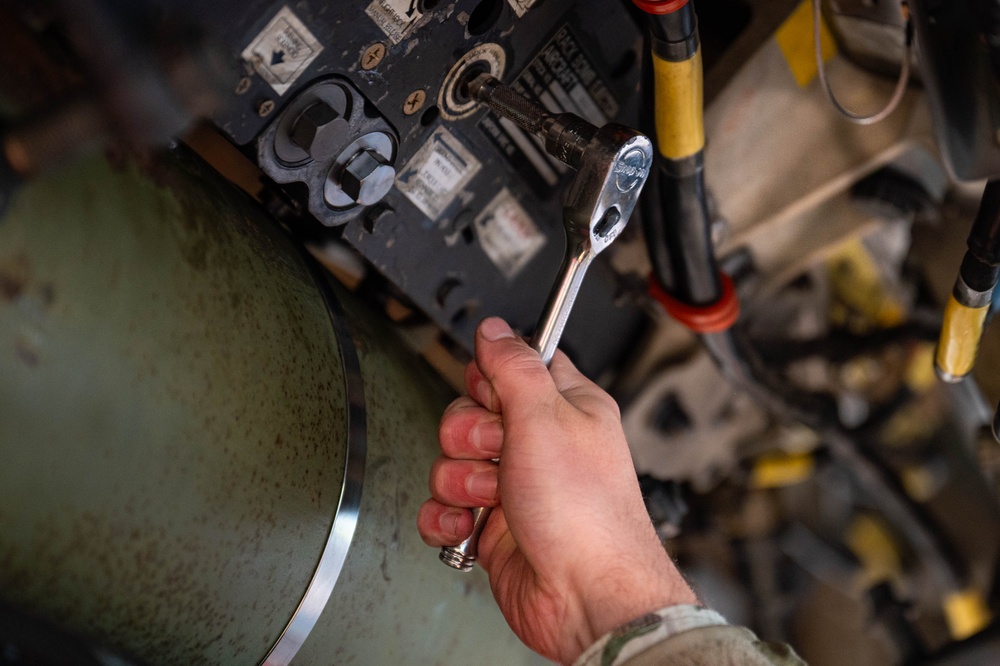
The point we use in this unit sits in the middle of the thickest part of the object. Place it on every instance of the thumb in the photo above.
(519, 379)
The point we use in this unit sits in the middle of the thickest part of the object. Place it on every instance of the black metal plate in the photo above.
(440, 264)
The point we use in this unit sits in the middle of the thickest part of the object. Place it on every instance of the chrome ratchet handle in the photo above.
(561, 299)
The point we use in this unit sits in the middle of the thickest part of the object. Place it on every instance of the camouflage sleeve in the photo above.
(685, 636)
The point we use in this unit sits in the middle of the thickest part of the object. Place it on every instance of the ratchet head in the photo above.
(613, 168)
(612, 162)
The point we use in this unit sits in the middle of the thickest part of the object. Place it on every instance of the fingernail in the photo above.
(484, 393)
(482, 485)
(494, 329)
(479, 441)
(449, 521)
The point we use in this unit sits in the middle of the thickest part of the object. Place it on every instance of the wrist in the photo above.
(629, 593)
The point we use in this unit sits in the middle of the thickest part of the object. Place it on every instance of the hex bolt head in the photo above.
(320, 131)
(367, 177)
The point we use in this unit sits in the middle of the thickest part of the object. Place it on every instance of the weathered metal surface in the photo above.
(172, 433)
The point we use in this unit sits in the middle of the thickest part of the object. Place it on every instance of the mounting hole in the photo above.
(429, 116)
(468, 235)
(424, 6)
(484, 16)
(445, 289)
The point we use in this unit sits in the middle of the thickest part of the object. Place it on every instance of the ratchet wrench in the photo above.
(612, 164)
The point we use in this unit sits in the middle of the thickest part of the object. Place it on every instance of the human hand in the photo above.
(570, 551)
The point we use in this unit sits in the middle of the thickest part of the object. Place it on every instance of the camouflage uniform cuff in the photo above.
(638, 635)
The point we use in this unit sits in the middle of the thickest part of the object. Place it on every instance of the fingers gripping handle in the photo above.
(546, 339)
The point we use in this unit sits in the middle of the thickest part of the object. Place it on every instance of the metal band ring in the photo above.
(345, 520)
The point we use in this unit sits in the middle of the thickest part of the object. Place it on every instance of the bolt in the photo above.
(243, 85)
(320, 131)
(265, 108)
(414, 102)
(373, 56)
(367, 177)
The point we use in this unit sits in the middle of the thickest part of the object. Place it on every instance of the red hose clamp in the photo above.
(713, 318)
(660, 6)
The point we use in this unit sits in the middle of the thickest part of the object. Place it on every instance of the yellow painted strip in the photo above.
(959, 342)
(795, 38)
(680, 123)
(780, 470)
(920, 371)
(966, 613)
(871, 541)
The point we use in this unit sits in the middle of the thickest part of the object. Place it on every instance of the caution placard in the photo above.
(521, 7)
(437, 172)
(282, 51)
(396, 18)
(507, 234)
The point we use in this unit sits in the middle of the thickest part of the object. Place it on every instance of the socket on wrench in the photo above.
(612, 164)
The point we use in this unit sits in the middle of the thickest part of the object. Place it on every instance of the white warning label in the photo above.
(437, 172)
(521, 7)
(507, 234)
(396, 18)
(282, 51)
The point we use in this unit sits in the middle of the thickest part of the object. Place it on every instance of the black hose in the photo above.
(988, 12)
(981, 264)
(687, 233)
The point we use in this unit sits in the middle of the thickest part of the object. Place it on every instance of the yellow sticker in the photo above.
(795, 37)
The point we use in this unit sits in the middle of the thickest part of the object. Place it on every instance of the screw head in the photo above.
(414, 102)
(243, 85)
(320, 131)
(265, 108)
(367, 177)
(372, 56)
